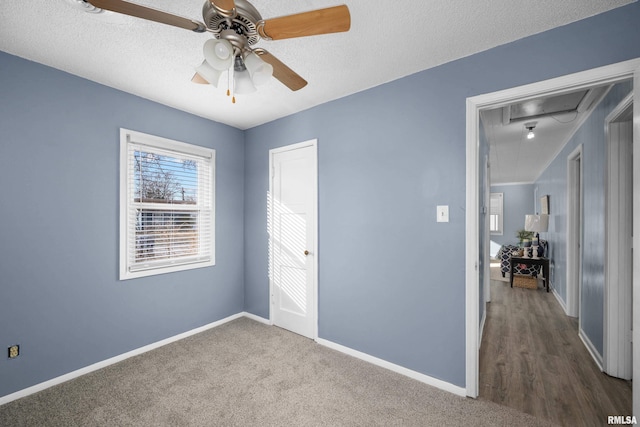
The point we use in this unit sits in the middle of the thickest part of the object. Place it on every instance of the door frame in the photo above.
(601, 75)
(617, 307)
(313, 304)
(574, 231)
(487, 242)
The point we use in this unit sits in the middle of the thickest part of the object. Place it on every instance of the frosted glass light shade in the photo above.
(243, 83)
(209, 73)
(259, 70)
(218, 53)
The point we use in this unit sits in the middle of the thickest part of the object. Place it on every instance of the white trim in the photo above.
(103, 364)
(603, 75)
(256, 318)
(314, 304)
(618, 258)
(504, 184)
(574, 230)
(560, 301)
(482, 322)
(636, 240)
(472, 256)
(486, 275)
(442, 385)
(591, 348)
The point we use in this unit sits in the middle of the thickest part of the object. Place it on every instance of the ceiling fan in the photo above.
(236, 26)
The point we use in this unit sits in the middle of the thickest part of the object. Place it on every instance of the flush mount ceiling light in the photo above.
(236, 25)
(530, 127)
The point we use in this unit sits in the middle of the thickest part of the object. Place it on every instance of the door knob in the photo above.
(306, 253)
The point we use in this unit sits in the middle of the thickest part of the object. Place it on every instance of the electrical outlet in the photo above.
(14, 351)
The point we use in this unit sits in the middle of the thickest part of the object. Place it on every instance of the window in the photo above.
(495, 213)
(166, 205)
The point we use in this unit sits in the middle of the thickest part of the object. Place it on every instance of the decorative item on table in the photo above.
(524, 238)
(536, 224)
(528, 282)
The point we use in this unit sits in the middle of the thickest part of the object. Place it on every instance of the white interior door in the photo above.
(293, 236)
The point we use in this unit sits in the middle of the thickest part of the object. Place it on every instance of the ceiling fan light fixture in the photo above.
(210, 74)
(218, 54)
(243, 84)
(259, 70)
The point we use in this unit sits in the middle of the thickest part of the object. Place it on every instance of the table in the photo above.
(544, 262)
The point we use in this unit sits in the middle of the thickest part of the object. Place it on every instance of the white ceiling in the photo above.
(514, 158)
(389, 39)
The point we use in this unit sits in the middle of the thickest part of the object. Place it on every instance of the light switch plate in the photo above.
(443, 213)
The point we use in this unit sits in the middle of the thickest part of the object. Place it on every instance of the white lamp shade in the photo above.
(259, 70)
(537, 223)
(209, 73)
(218, 54)
(243, 83)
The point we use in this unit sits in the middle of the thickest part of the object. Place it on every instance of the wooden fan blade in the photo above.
(322, 21)
(225, 6)
(286, 75)
(149, 14)
(197, 78)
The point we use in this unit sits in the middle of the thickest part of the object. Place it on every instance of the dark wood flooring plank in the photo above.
(532, 359)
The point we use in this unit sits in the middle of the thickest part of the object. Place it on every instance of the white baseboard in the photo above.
(257, 318)
(99, 365)
(443, 385)
(591, 348)
(560, 301)
(482, 322)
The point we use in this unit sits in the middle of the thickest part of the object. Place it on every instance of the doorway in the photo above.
(292, 227)
(599, 76)
(619, 245)
(574, 232)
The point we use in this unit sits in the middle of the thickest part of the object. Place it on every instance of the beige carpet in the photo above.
(245, 373)
(496, 274)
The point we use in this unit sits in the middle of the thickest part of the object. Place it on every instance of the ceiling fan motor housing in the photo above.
(244, 23)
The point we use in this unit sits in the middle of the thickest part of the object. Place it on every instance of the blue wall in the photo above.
(518, 201)
(554, 183)
(61, 298)
(391, 279)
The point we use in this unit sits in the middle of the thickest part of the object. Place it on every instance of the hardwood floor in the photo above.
(532, 359)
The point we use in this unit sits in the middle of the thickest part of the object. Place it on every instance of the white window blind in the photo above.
(496, 217)
(168, 205)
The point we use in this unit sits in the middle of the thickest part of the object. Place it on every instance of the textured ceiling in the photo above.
(516, 159)
(156, 61)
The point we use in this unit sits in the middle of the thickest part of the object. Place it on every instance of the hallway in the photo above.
(532, 359)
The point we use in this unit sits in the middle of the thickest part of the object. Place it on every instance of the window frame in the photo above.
(166, 147)
(500, 214)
